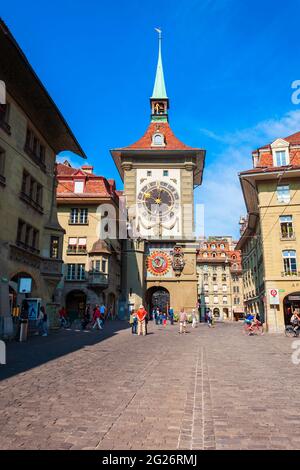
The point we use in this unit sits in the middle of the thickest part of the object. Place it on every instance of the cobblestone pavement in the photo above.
(209, 389)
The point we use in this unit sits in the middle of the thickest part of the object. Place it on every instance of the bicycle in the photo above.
(253, 329)
(292, 331)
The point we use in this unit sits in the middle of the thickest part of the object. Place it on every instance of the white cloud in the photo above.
(221, 192)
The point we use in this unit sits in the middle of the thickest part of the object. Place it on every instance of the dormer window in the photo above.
(158, 140)
(280, 158)
(78, 187)
(280, 151)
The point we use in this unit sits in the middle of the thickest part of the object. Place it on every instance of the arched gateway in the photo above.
(158, 297)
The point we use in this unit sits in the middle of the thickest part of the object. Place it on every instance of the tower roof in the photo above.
(159, 90)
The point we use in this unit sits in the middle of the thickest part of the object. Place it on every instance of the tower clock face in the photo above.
(158, 199)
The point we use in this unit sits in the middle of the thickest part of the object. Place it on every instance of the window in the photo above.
(166, 173)
(286, 226)
(215, 287)
(54, 247)
(75, 272)
(149, 173)
(214, 278)
(81, 272)
(2, 166)
(81, 248)
(224, 299)
(97, 266)
(79, 216)
(35, 148)
(27, 236)
(205, 287)
(72, 245)
(71, 273)
(213, 246)
(224, 288)
(205, 277)
(289, 262)
(205, 255)
(31, 192)
(214, 255)
(222, 246)
(158, 139)
(223, 255)
(216, 300)
(78, 187)
(204, 246)
(281, 158)
(104, 265)
(206, 300)
(205, 267)
(223, 277)
(283, 193)
(77, 245)
(4, 117)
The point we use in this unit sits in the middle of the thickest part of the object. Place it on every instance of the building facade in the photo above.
(220, 283)
(159, 174)
(30, 236)
(270, 241)
(88, 211)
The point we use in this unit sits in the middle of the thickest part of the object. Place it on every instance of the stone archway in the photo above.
(75, 304)
(157, 296)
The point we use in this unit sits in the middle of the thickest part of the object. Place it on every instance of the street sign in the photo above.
(281, 290)
(273, 296)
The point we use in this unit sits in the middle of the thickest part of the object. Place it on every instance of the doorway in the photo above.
(158, 297)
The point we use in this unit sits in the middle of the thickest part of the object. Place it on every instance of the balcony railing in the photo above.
(96, 278)
(76, 251)
(51, 268)
(290, 273)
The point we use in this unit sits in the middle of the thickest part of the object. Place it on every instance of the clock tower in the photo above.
(160, 173)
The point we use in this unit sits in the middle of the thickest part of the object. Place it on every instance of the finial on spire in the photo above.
(159, 90)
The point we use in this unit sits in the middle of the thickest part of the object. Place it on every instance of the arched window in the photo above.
(158, 140)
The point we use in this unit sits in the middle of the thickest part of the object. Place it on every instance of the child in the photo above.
(133, 322)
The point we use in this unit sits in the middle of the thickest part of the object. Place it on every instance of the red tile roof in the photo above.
(94, 186)
(171, 141)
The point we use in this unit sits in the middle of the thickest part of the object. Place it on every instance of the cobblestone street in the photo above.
(209, 389)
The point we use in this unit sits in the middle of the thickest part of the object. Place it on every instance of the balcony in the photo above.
(51, 268)
(97, 279)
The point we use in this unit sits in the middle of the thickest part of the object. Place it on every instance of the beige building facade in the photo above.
(30, 236)
(270, 238)
(220, 282)
(88, 208)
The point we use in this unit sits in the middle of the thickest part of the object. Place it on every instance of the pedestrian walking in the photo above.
(141, 317)
(157, 316)
(103, 313)
(97, 318)
(194, 318)
(209, 318)
(164, 319)
(44, 322)
(62, 317)
(182, 321)
(171, 316)
(86, 317)
(160, 317)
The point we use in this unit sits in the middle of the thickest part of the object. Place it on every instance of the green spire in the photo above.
(159, 90)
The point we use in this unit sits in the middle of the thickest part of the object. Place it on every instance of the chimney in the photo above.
(88, 168)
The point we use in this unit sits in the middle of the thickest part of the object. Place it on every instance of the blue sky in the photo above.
(228, 64)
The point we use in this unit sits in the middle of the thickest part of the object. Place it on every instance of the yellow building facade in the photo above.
(270, 240)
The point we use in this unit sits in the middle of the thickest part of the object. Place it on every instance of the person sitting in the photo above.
(295, 321)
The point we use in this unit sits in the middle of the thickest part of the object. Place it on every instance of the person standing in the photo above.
(133, 322)
(209, 318)
(171, 315)
(44, 322)
(182, 321)
(97, 318)
(194, 318)
(86, 317)
(141, 318)
(157, 316)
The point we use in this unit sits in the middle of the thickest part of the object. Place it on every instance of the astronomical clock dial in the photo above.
(158, 199)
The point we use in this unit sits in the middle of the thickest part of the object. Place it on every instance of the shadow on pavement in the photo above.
(39, 350)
